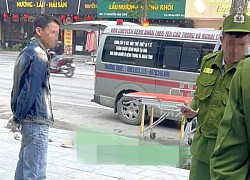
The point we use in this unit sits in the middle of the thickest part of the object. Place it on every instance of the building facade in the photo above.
(16, 26)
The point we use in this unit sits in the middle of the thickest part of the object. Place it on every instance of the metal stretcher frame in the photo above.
(166, 103)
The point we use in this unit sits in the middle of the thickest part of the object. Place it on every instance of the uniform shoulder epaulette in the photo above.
(211, 55)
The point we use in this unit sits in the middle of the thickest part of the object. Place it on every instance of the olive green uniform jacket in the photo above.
(211, 97)
(230, 159)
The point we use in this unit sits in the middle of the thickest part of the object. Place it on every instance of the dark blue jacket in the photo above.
(31, 93)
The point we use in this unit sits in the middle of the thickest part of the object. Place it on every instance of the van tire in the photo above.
(133, 114)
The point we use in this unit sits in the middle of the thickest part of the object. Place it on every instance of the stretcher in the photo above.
(166, 103)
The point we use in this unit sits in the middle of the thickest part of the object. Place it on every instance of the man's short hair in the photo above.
(43, 20)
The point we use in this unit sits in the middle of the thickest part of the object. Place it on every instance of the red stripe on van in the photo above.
(139, 80)
(167, 83)
(125, 78)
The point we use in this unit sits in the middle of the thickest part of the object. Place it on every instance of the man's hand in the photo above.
(188, 112)
(12, 125)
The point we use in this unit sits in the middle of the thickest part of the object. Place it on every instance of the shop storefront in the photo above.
(17, 22)
(16, 27)
(17, 18)
(16, 31)
(87, 10)
(208, 13)
(161, 12)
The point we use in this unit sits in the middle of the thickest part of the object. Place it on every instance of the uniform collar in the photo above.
(219, 61)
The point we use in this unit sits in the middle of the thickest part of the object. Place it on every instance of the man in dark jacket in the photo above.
(31, 101)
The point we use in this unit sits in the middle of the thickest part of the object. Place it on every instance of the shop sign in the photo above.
(68, 7)
(24, 6)
(171, 9)
(88, 7)
(68, 36)
(209, 8)
(161, 9)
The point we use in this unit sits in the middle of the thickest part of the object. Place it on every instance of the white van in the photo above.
(148, 59)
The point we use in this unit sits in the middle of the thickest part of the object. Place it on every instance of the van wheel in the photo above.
(129, 111)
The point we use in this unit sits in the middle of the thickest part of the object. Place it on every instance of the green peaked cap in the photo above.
(237, 22)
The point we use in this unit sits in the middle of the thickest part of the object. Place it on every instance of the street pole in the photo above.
(43, 6)
(239, 6)
(144, 11)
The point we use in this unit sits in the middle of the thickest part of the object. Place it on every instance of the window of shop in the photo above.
(17, 32)
(80, 42)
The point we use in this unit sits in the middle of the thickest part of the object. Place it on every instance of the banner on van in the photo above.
(161, 9)
(168, 32)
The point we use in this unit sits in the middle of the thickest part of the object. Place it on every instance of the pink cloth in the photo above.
(91, 42)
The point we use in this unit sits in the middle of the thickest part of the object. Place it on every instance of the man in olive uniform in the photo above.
(211, 96)
(231, 157)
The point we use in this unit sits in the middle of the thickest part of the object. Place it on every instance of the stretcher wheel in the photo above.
(152, 135)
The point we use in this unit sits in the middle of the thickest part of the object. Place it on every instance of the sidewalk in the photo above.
(64, 165)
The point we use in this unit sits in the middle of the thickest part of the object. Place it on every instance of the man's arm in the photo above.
(33, 83)
(230, 157)
(194, 103)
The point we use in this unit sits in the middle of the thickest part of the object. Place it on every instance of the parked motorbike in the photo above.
(61, 64)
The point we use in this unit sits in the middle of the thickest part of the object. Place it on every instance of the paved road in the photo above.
(71, 102)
